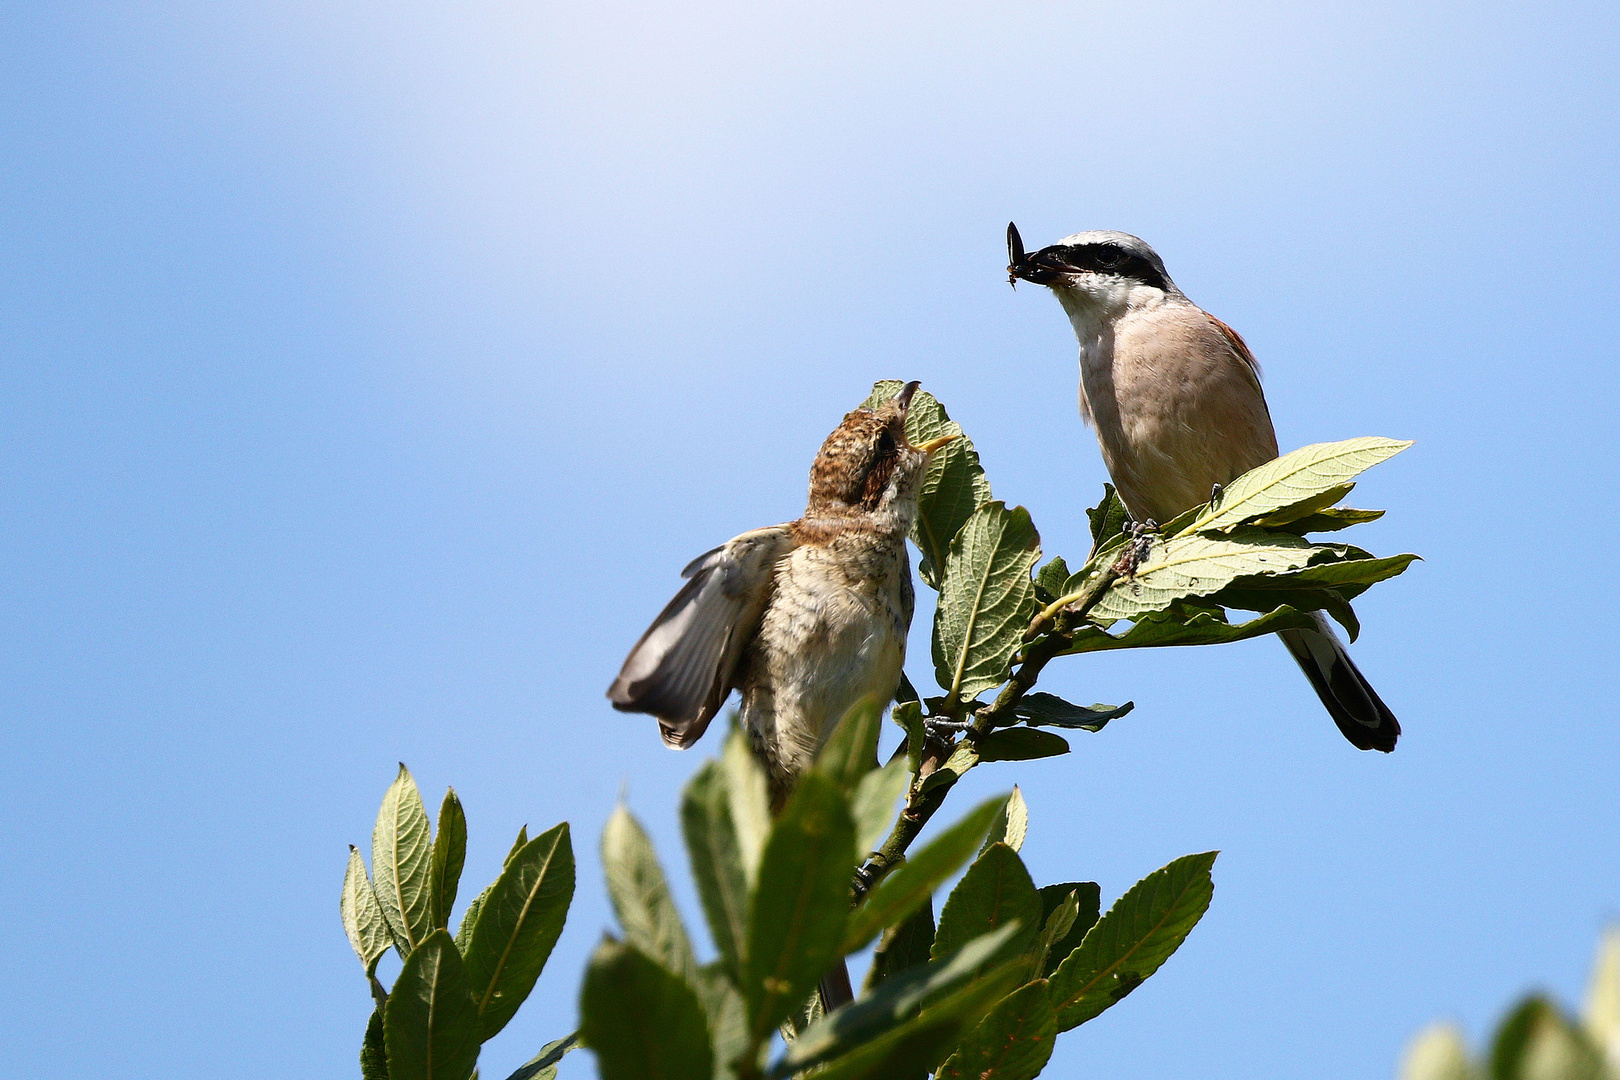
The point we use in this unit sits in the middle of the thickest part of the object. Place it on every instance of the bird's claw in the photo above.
(942, 730)
(1137, 548)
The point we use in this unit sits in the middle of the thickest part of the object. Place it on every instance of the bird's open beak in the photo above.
(907, 392)
(934, 444)
(1041, 268)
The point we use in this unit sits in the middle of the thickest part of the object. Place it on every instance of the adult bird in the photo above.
(804, 618)
(1174, 395)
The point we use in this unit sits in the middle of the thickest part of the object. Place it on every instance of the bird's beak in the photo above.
(1042, 268)
(934, 444)
(903, 398)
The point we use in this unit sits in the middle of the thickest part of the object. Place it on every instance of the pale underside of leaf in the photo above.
(1292, 480)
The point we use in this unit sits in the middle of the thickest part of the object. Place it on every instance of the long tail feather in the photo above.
(1350, 699)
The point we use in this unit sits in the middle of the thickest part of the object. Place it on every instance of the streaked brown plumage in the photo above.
(804, 618)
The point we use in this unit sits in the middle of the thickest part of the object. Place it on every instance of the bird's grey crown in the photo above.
(1141, 261)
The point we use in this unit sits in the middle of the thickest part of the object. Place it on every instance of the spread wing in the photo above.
(687, 662)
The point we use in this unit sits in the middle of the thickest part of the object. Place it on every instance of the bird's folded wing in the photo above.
(686, 663)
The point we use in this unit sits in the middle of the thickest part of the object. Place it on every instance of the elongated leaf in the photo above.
(1331, 520)
(1012, 1042)
(728, 1017)
(1199, 565)
(914, 881)
(469, 918)
(374, 1051)
(1129, 943)
(517, 926)
(449, 855)
(431, 1024)
(986, 599)
(641, 1020)
(896, 1000)
(1536, 1042)
(1292, 480)
(750, 800)
(798, 909)
(1331, 601)
(874, 803)
(995, 891)
(954, 484)
(711, 846)
(1021, 744)
(1049, 710)
(543, 1066)
(902, 947)
(1601, 1015)
(1185, 626)
(963, 758)
(402, 863)
(1437, 1053)
(640, 895)
(1010, 824)
(1088, 904)
(362, 915)
(851, 751)
(517, 845)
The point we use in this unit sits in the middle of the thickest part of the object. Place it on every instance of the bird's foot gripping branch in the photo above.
(1002, 616)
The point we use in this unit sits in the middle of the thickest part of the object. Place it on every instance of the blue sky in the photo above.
(370, 371)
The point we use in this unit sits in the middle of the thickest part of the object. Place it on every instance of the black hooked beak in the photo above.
(903, 398)
(1041, 268)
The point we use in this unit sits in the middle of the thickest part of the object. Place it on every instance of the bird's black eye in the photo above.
(1108, 258)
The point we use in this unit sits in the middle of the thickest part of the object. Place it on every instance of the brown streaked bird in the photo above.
(804, 618)
(1174, 395)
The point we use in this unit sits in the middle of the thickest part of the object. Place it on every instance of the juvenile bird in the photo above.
(1174, 395)
(804, 618)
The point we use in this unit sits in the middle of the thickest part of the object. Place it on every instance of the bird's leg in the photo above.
(1215, 492)
(1136, 550)
(943, 729)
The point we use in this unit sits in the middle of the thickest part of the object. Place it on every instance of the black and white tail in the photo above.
(1350, 699)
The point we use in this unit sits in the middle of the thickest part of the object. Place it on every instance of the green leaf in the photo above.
(902, 947)
(1601, 1017)
(873, 806)
(642, 1021)
(1048, 710)
(1437, 1053)
(851, 750)
(750, 800)
(1087, 904)
(1012, 1042)
(963, 758)
(995, 891)
(1021, 744)
(517, 845)
(431, 1024)
(909, 715)
(712, 847)
(1293, 480)
(1535, 1042)
(1010, 824)
(401, 863)
(728, 1017)
(1108, 520)
(517, 926)
(1129, 943)
(954, 485)
(1050, 579)
(640, 895)
(798, 909)
(1186, 625)
(895, 1001)
(908, 885)
(986, 599)
(543, 1066)
(449, 855)
(362, 915)
(374, 1051)
(1331, 520)
(1199, 565)
(469, 918)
